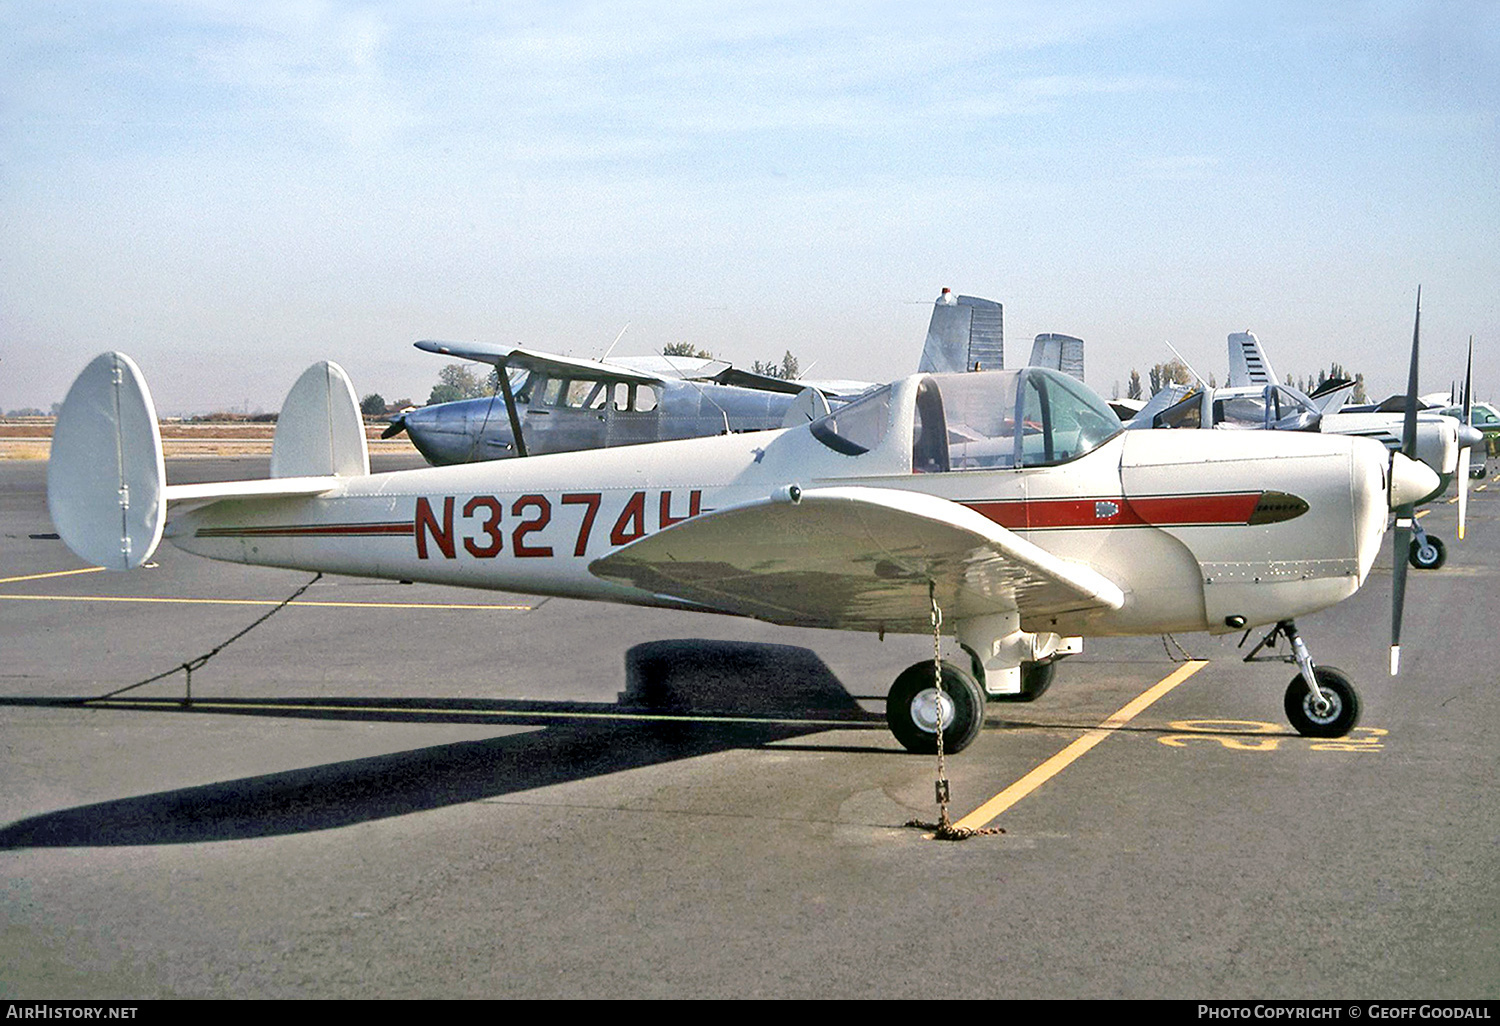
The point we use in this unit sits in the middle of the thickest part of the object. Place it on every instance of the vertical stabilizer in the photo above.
(1247, 362)
(966, 333)
(106, 478)
(320, 431)
(1060, 352)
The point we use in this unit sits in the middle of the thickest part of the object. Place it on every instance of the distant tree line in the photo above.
(1175, 372)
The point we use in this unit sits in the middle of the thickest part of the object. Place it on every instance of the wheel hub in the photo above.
(925, 708)
(1325, 711)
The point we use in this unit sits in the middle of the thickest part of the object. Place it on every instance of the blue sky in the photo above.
(229, 192)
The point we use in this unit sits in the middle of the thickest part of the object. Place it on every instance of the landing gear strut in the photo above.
(1321, 700)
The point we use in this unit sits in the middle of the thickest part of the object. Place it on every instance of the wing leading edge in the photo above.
(855, 558)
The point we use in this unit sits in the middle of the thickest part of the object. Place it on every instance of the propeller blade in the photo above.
(1463, 488)
(1400, 550)
(1468, 380)
(1409, 425)
(397, 426)
(1464, 453)
(1401, 545)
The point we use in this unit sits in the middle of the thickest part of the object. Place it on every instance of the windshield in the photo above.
(858, 427)
(1062, 419)
(1000, 419)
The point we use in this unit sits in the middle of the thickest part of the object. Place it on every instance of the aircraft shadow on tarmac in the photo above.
(682, 699)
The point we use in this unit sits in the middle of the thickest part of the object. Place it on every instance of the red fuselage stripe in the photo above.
(402, 529)
(1154, 511)
(1014, 514)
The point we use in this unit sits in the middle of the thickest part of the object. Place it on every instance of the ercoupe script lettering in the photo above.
(443, 527)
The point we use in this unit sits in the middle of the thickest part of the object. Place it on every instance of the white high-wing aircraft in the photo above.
(1011, 503)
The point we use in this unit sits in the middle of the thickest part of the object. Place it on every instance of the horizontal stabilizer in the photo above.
(105, 477)
(274, 488)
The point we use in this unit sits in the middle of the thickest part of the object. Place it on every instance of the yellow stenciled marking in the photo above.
(261, 602)
(1219, 731)
(1065, 758)
(56, 573)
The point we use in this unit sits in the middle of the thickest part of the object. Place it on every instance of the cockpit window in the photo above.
(1273, 407)
(1001, 419)
(858, 427)
(1185, 413)
(1062, 420)
(979, 412)
(1245, 411)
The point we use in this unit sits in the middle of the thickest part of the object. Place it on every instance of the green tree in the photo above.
(1173, 372)
(1134, 389)
(686, 349)
(456, 381)
(372, 405)
(786, 369)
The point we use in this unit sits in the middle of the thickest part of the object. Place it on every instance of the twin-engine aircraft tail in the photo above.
(107, 486)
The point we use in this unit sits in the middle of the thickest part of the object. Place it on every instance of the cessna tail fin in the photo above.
(320, 431)
(965, 334)
(1247, 362)
(1060, 352)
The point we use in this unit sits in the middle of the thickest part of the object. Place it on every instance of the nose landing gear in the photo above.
(1321, 700)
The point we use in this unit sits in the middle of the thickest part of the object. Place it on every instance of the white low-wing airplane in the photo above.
(1254, 400)
(1010, 500)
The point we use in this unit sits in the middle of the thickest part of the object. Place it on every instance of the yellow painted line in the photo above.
(59, 573)
(262, 602)
(987, 812)
(1421, 513)
(199, 706)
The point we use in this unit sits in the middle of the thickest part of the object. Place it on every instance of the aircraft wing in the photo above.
(534, 360)
(855, 558)
(759, 382)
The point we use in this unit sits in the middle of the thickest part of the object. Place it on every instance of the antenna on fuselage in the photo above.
(616, 342)
(1201, 380)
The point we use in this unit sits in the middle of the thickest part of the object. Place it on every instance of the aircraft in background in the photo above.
(1254, 400)
(1008, 508)
(549, 403)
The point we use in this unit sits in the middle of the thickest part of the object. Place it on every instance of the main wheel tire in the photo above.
(1430, 556)
(1337, 719)
(1036, 678)
(911, 709)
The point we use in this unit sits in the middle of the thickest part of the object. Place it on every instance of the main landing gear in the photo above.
(914, 707)
(1329, 706)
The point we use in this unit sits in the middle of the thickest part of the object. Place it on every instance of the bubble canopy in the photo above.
(986, 420)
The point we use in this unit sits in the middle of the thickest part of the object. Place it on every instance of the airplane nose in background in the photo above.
(1410, 480)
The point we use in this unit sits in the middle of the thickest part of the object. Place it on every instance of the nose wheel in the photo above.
(1427, 552)
(1333, 712)
(914, 707)
(1330, 707)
